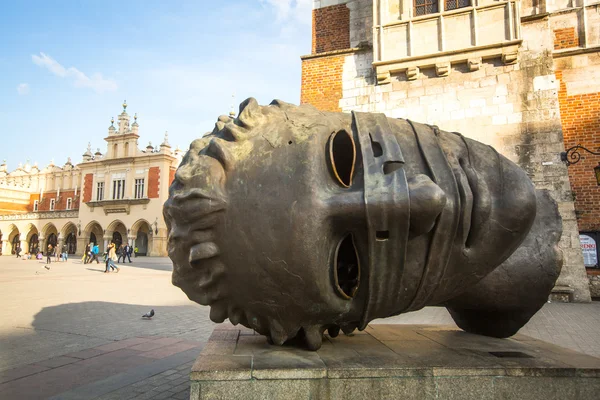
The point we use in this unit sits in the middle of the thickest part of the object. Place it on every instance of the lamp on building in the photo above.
(573, 156)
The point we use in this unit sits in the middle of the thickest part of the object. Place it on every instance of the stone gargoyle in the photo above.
(293, 222)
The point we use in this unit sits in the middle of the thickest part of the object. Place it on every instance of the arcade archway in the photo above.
(14, 239)
(69, 235)
(71, 243)
(94, 234)
(142, 232)
(32, 239)
(50, 233)
(51, 240)
(117, 232)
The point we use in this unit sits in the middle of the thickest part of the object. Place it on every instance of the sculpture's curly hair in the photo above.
(198, 200)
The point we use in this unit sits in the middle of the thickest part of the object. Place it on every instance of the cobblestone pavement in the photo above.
(73, 332)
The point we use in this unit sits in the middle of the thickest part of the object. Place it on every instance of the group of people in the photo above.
(51, 251)
(111, 256)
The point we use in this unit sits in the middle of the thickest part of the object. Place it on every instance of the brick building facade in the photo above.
(510, 74)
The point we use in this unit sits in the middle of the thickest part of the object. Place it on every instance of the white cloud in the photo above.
(23, 89)
(96, 82)
(291, 10)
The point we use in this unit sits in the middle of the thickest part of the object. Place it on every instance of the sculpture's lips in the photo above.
(467, 200)
(478, 204)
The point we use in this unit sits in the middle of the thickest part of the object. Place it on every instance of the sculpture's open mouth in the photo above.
(346, 271)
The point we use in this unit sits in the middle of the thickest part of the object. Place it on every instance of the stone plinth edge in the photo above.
(385, 361)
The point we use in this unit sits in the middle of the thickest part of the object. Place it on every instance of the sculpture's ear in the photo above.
(427, 200)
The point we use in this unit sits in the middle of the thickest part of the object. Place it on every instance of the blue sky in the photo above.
(67, 66)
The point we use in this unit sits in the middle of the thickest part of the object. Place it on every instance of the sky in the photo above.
(67, 66)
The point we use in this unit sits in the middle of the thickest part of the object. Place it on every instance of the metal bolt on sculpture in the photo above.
(293, 222)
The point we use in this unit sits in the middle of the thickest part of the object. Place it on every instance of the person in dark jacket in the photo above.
(49, 254)
(127, 252)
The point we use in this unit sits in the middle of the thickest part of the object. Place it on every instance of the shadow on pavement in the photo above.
(95, 270)
(75, 344)
(144, 263)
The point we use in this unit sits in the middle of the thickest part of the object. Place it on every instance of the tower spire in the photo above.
(232, 108)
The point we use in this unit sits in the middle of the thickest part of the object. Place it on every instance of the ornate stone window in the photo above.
(409, 35)
(118, 189)
(52, 204)
(69, 203)
(36, 205)
(100, 191)
(139, 188)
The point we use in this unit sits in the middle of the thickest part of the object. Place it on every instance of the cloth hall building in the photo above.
(116, 196)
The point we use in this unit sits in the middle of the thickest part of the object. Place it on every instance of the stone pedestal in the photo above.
(392, 361)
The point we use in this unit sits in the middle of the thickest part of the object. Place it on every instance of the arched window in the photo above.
(126, 150)
(116, 150)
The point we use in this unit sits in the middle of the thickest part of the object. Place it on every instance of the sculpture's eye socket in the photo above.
(346, 271)
(342, 157)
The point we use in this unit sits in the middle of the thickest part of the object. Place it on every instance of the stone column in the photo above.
(59, 244)
(24, 246)
(106, 241)
(159, 244)
(5, 250)
(41, 243)
(81, 243)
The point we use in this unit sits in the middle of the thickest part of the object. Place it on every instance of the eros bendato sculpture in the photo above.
(292, 222)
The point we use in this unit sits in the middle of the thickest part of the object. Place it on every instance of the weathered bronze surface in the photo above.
(292, 221)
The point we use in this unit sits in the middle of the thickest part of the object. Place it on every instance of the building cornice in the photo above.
(40, 215)
(336, 52)
(113, 138)
(124, 160)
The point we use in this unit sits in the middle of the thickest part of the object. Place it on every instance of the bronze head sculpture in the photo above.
(292, 222)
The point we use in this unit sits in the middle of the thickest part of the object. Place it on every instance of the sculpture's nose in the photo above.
(427, 200)
(347, 206)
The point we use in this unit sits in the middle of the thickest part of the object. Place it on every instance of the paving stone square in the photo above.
(73, 332)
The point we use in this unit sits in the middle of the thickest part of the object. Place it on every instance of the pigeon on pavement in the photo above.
(47, 267)
(149, 314)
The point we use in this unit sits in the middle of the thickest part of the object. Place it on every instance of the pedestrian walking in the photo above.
(56, 253)
(120, 253)
(18, 251)
(128, 250)
(64, 254)
(87, 255)
(94, 252)
(49, 254)
(110, 259)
